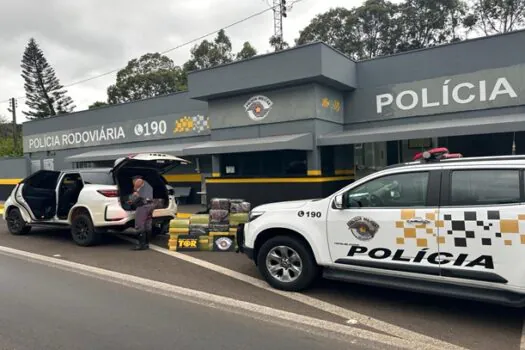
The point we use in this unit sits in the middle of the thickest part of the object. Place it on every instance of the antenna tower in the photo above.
(279, 11)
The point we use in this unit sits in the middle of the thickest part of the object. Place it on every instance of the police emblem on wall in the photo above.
(362, 228)
(258, 107)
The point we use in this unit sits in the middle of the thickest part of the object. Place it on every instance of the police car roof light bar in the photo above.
(435, 155)
(457, 157)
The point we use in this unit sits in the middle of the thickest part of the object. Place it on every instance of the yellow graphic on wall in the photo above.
(197, 123)
(334, 105)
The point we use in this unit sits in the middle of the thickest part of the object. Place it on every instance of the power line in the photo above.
(171, 49)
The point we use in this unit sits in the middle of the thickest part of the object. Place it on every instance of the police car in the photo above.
(442, 224)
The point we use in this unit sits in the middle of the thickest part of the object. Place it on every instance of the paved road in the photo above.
(116, 255)
(47, 308)
(467, 324)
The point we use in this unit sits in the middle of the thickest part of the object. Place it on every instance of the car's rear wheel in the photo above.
(286, 263)
(16, 223)
(83, 232)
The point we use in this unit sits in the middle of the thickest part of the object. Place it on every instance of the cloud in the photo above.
(84, 38)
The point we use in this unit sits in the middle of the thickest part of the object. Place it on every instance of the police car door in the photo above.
(484, 226)
(388, 223)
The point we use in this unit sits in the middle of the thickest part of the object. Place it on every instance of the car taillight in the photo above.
(108, 193)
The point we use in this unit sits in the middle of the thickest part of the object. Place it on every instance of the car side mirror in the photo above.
(338, 201)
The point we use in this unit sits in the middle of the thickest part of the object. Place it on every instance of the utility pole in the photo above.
(13, 103)
(279, 11)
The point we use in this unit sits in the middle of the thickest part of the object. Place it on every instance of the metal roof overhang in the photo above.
(415, 130)
(112, 154)
(271, 143)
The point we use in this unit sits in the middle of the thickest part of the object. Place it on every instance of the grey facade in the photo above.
(306, 115)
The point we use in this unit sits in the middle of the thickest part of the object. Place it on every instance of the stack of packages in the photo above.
(219, 217)
(177, 227)
(239, 211)
(199, 226)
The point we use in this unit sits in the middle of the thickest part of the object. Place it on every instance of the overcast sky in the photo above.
(84, 38)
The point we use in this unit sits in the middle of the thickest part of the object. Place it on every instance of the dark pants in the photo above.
(143, 222)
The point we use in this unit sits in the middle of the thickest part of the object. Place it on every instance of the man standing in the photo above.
(142, 199)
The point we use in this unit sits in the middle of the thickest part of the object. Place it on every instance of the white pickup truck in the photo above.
(453, 227)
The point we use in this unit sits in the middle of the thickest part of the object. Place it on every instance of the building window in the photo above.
(264, 164)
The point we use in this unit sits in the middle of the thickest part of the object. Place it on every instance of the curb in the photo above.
(179, 215)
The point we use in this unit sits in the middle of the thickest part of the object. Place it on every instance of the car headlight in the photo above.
(254, 215)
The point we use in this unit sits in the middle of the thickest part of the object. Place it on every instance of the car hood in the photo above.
(282, 205)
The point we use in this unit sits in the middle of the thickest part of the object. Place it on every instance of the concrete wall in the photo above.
(315, 62)
(448, 79)
(14, 168)
(60, 156)
(286, 105)
(158, 118)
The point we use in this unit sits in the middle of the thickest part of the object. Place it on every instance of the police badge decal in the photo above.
(362, 228)
(258, 107)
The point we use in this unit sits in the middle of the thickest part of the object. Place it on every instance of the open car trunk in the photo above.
(153, 178)
(150, 166)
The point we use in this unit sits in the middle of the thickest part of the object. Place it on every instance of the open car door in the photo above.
(37, 194)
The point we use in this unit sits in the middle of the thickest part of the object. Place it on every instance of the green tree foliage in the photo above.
(375, 29)
(247, 51)
(277, 43)
(46, 97)
(151, 75)
(427, 23)
(97, 104)
(7, 148)
(380, 27)
(496, 16)
(209, 54)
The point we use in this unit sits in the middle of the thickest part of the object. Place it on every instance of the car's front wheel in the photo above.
(286, 263)
(83, 232)
(16, 223)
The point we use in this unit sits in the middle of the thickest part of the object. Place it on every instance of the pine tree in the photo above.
(45, 96)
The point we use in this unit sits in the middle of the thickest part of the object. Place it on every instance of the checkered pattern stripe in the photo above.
(200, 123)
(462, 229)
(183, 124)
(418, 234)
(485, 228)
(197, 123)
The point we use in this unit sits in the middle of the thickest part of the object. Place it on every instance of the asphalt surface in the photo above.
(467, 324)
(48, 308)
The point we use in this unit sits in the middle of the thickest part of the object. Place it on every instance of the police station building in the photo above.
(301, 123)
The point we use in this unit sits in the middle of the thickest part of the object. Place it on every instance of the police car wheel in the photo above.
(287, 264)
(16, 224)
(83, 232)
